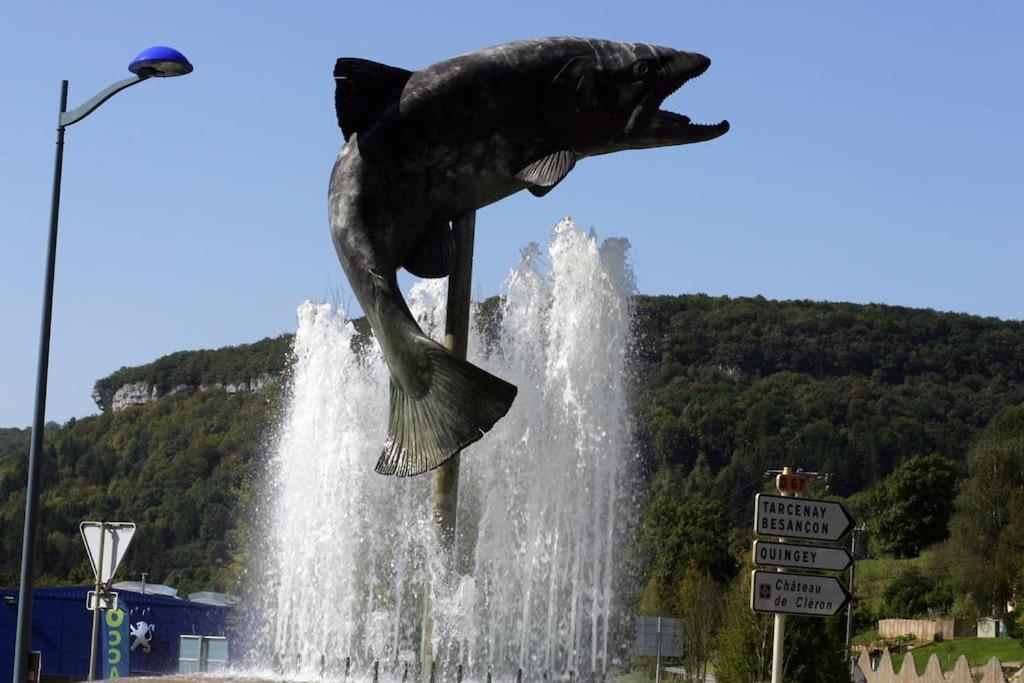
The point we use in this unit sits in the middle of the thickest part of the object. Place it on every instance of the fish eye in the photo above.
(641, 68)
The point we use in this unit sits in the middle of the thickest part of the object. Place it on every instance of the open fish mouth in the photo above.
(651, 126)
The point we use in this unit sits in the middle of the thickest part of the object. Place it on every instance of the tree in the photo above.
(744, 644)
(906, 596)
(679, 533)
(987, 537)
(912, 506)
(816, 651)
(698, 601)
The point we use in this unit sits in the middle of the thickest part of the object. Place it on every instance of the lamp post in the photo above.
(159, 62)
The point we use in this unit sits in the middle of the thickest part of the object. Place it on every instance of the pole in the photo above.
(456, 339)
(779, 636)
(778, 639)
(849, 607)
(446, 477)
(657, 659)
(96, 611)
(23, 639)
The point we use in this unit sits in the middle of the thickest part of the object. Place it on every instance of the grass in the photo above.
(978, 651)
(866, 637)
(632, 677)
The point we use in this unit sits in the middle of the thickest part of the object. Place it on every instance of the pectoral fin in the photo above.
(436, 256)
(543, 174)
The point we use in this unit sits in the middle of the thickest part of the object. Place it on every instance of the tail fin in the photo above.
(462, 403)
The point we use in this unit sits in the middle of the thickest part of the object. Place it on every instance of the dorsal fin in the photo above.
(363, 90)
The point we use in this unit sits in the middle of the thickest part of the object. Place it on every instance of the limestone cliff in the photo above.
(141, 393)
(232, 369)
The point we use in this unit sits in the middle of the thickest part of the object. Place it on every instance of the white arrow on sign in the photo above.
(785, 593)
(767, 553)
(114, 538)
(806, 518)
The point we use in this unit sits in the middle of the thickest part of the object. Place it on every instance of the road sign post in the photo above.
(789, 517)
(657, 660)
(106, 543)
(98, 565)
(779, 633)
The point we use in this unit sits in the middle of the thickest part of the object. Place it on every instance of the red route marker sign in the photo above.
(791, 483)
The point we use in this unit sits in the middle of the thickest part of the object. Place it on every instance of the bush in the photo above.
(906, 596)
(1014, 622)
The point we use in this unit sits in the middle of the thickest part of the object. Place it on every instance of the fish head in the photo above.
(610, 98)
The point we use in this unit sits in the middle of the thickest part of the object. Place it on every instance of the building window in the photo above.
(201, 654)
(215, 654)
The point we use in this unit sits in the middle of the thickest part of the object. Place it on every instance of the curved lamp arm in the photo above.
(76, 115)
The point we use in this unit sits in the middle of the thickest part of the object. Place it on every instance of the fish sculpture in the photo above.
(425, 147)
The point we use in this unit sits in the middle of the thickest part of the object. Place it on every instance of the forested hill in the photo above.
(749, 384)
(723, 389)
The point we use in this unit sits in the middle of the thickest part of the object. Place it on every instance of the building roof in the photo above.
(146, 588)
(212, 598)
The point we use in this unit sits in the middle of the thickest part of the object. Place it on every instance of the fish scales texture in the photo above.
(425, 147)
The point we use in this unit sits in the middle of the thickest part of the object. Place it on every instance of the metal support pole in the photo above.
(446, 477)
(456, 339)
(96, 610)
(23, 639)
(778, 639)
(779, 636)
(657, 659)
(849, 606)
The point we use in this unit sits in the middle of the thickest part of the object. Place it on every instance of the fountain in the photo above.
(350, 556)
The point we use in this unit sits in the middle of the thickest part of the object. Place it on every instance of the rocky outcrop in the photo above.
(141, 393)
(254, 384)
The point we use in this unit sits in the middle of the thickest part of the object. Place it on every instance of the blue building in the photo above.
(165, 634)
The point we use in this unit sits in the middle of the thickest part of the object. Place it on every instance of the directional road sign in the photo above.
(822, 559)
(785, 593)
(114, 538)
(805, 518)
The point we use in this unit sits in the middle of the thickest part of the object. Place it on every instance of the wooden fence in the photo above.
(990, 673)
(925, 630)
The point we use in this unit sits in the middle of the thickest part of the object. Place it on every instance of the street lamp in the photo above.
(159, 62)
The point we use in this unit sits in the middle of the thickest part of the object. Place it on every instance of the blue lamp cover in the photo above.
(160, 61)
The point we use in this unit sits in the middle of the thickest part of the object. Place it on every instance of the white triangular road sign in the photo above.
(115, 539)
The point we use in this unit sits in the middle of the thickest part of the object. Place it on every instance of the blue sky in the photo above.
(875, 156)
